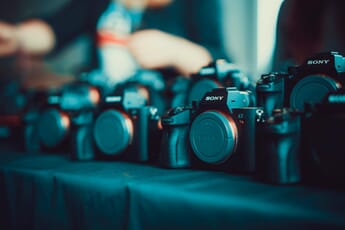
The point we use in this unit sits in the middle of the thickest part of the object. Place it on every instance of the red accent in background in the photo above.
(104, 37)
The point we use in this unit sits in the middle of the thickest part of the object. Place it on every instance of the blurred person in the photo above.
(182, 35)
(306, 27)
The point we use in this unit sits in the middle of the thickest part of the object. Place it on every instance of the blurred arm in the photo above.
(154, 49)
(33, 37)
(187, 35)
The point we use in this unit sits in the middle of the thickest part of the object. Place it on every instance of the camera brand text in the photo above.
(318, 62)
(214, 98)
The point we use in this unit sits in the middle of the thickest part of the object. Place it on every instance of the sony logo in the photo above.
(214, 98)
(318, 62)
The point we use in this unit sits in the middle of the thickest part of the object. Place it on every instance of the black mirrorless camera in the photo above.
(221, 132)
(308, 83)
(217, 74)
(126, 128)
(64, 121)
(15, 102)
(323, 141)
(297, 136)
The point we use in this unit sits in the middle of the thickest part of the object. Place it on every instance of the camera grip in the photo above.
(279, 152)
(82, 143)
(30, 132)
(175, 149)
(31, 138)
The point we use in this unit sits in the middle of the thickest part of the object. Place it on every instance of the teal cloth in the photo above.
(52, 192)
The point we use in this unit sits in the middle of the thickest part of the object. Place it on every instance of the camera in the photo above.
(320, 75)
(126, 128)
(217, 133)
(323, 142)
(217, 74)
(175, 148)
(222, 131)
(278, 147)
(63, 121)
(15, 102)
(310, 82)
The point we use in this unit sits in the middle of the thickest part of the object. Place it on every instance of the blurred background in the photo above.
(248, 31)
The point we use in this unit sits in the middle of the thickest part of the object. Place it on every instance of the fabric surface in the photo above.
(52, 192)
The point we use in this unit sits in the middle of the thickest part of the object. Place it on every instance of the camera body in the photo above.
(64, 121)
(16, 102)
(222, 132)
(126, 128)
(216, 133)
(278, 147)
(323, 142)
(310, 82)
(217, 74)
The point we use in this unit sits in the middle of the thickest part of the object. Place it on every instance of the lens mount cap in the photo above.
(53, 126)
(213, 137)
(113, 132)
(311, 89)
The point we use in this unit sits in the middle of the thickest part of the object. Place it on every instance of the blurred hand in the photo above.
(155, 49)
(8, 39)
(33, 36)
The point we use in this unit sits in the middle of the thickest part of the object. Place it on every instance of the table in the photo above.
(49, 191)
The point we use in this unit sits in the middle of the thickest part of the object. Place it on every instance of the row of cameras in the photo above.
(287, 128)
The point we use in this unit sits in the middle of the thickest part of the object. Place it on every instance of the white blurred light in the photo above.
(266, 28)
